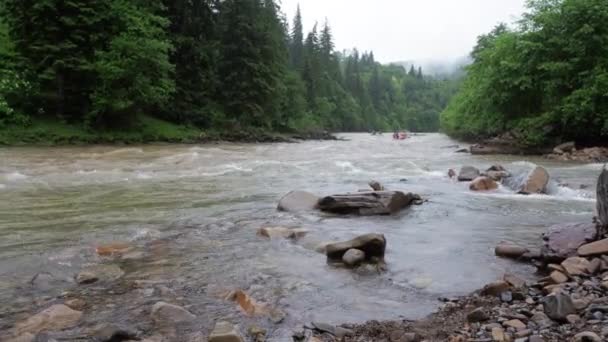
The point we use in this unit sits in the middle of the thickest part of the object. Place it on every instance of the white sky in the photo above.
(401, 30)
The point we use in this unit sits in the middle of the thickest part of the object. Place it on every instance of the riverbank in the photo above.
(146, 130)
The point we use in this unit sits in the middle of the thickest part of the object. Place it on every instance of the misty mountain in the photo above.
(439, 68)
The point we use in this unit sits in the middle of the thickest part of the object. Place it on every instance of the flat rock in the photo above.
(515, 323)
(96, 273)
(594, 248)
(373, 245)
(113, 248)
(558, 277)
(514, 280)
(509, 250)
(353, 257)
(483, 184)
(368, 203)
(562, 241)
(225, 332)
(468, 173)
(576, 266)
(298, 201)
(282, 232)
(558, 306)
(56, 317)
(163, 313)
(495, 288)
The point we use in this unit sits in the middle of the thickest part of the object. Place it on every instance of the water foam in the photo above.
(348, 167)
(15, 176)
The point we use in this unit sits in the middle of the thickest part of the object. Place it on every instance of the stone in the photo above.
(56, 317)
(594, 266)
(225, 332)
(113, 249)
(541, 319)
(594, 248)
(85, 277)
(477, 315)
(562, 241)
(376, 186)
(498, 334)
(496, 168)
(497, 175)
(515, 323)
(373, 245)
(509, 250)
(410, 337)
(523, 333)
(558, 277)
(451, 173)
(558, 306)
(495, 288)
(506, 297)
(258, 334)
(575, 266)
(298, 201)
(566, 147)
(580, 304)
(112, 333)
(468, 173)
(368, 203)
(573, 319)
(95, 273)
(536, 338)
(483, 184)
(536, 182)
(282, 232)
(165, 313)
(587, 336)
(353, 257)
(75, 304)
(514, 280)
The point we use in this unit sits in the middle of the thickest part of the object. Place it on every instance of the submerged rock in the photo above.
(298, 201)
(509, 250)
(163, 313)
(533, 182)
(282, 232)
(56, 317)
(372, 245)
(113, 249)
(562, 241)
(225, 332)
(483, 184)
(368, 203)
(468, 173)
(96, 273)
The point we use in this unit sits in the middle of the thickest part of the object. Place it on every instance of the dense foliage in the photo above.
(543, 82)
(210, 64)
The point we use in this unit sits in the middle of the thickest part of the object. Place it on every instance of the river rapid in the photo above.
(191, 214)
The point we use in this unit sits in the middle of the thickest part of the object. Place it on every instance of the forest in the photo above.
(542, 82)
(166, 69)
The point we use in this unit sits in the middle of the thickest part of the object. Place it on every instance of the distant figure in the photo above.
(396, 135)
(451, 173)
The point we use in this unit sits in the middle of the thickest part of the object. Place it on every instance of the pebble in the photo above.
(477, 315)
(587, 336)
(515, 323)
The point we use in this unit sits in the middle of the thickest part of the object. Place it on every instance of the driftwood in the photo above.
(602, 203)
(368, 203)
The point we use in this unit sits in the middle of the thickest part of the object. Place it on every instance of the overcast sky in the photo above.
(402, 30)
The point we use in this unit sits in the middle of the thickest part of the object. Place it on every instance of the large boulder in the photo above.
(532, 182)
(56, 317)
(298, 201)
(373, 245)
(368, 203)
(468, 173)
(483, 184)
(561, 241)
(594, 248)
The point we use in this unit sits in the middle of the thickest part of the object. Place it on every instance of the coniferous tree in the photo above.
(297, 42)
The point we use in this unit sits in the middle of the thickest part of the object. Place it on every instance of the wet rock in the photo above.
(163, 313)
(353, 257)
(373, 245)
(56, 317)
(468, 173)
(477, 315)
(112, 333)
(113, 249)
(225, 332)
(558, 306)
(368, 203)
(276, 316)
(514, 280)
(45, 281)
(495, 288)
(575, 266)
(376, 186)
(536, 181)
(451, 173)
(594, 248)
(27, 337)
(298, 201)
(509, 250)
(558, 277)
(483, 184)
(75, 304)
(282, 232)
(587, 336)
(105, 273)
(515, 323)
(84, 278)
(562, 241)
(506, 297)
(257, 334)
(498, 334)
(497, 175)
(462, 150)
(594, 266)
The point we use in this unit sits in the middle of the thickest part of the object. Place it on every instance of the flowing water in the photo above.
(192, 212)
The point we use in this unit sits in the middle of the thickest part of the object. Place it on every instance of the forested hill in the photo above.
(544, 82)
(206, 64)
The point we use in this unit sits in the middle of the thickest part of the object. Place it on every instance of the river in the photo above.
(193, 211)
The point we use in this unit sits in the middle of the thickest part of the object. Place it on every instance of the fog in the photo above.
(407, 30)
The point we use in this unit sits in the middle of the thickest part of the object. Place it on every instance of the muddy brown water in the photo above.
(191, 214)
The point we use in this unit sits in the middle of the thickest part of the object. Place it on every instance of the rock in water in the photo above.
(558, 306)
(298, 201)
(483, 184)
(602, 203)
(376, 186)
(163, 313)
(373, 245)
(536, 182)
(495, 288)
(353, 257)
(368, 203)
(595, 248)
(468, 173)
(497, 175)
(225, 332)
(508, 250)
(282, 232)
(561, 241)
(56, 317)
